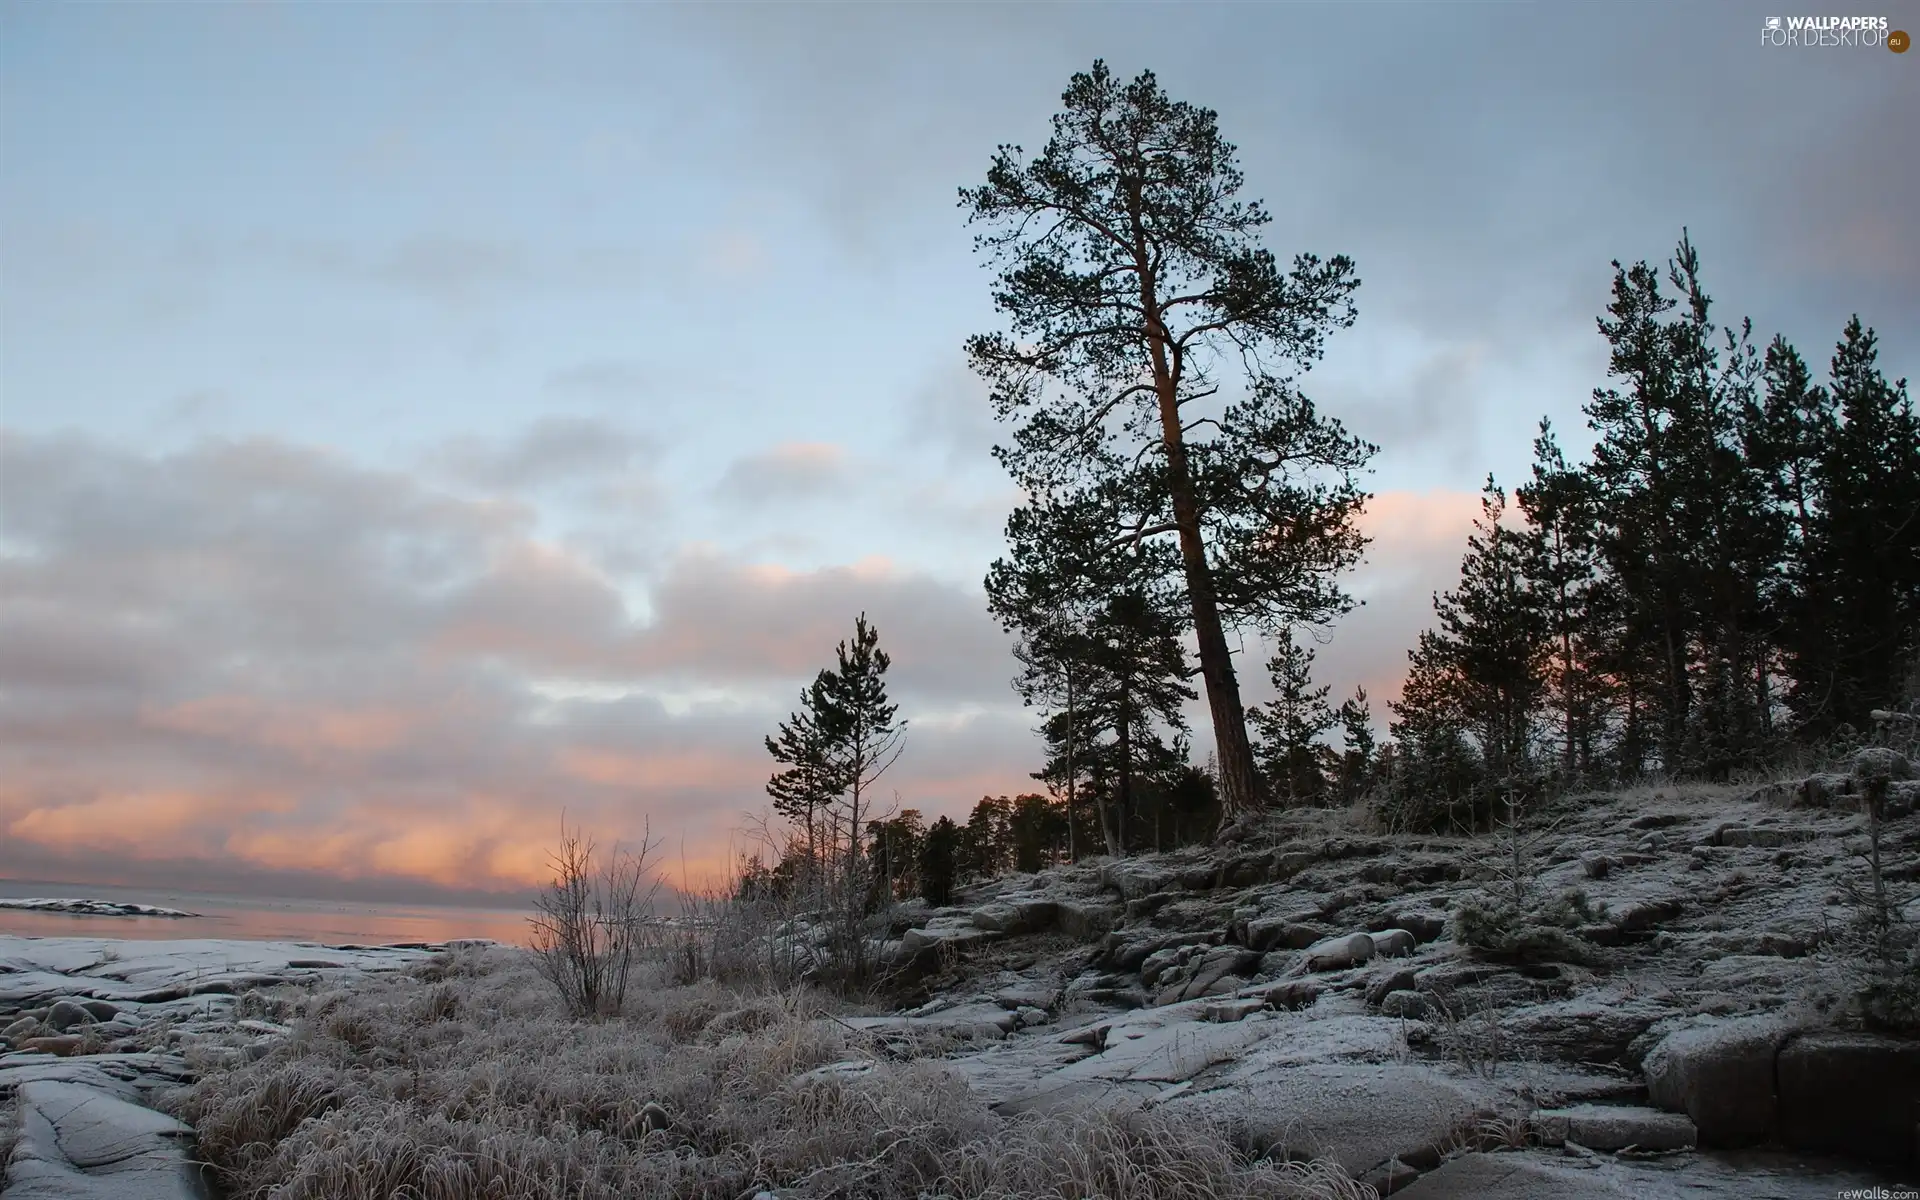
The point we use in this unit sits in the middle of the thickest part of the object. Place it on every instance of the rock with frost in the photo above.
(77, 1143)
(1721, 1076)
(1392, 943)
(1336, 953)
(1614, 1127)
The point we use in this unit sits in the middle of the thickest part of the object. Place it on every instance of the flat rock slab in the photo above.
(1615, 1127)
(80, 1144)
(126, 1076)
(38, 971)
(1358, 1114)
(1550, 1175)
(968, 1021)
(1514, 1177)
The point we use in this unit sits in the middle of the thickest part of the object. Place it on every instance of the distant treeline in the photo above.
(1735, 569)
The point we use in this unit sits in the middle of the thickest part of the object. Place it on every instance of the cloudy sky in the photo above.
(419, 420)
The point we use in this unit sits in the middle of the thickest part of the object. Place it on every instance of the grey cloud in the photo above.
(603, 379)
(949, 413)
(455, 269)
(553, 449)
(716, 618)
(795, 470)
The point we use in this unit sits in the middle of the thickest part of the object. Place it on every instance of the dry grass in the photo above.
(9, 1132)
(468, 1085)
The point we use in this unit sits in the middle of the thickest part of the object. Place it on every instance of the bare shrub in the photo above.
(815, 921)
(592, 921)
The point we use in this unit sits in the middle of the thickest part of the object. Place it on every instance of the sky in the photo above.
(421, 425)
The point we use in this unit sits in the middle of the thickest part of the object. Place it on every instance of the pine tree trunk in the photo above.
(1073, 772)
(1124, 801)
(1239, 780)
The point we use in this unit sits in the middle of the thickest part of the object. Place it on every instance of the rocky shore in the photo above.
(97, 1032)
(1662, 1010)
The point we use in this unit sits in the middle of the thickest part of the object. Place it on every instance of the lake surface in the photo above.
(257, 918)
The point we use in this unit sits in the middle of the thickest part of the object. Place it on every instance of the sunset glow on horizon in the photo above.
(424, 425)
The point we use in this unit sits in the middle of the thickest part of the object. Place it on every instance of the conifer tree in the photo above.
(1784, 438)
(1559, 508)
(1292, 724)
(1432, 773)
(1357, 752)
(1862, 561)
(1677, 508)
(861, 729)
(1133, 283)
(939, 863)
(813, 778)
(1493, 631)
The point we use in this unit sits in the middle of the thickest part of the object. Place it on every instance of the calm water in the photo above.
(257, 918)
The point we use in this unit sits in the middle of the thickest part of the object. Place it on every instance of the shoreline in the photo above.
(41, 910)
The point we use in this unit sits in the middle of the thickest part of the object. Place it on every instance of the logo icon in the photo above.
(1898, 41)
(1773, 25)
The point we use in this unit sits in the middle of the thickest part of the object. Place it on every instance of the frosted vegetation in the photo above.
(476, 1086)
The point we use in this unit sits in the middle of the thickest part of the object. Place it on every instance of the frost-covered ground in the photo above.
(98, 1034)
(377, 1073)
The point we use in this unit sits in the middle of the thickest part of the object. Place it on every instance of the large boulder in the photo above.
(1854, 1094)
(1086, 919)
(65, 1014)
(1216, 972)
(1721, 1076)
(1016, 914)
(1281, 933)
(1336, 953)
